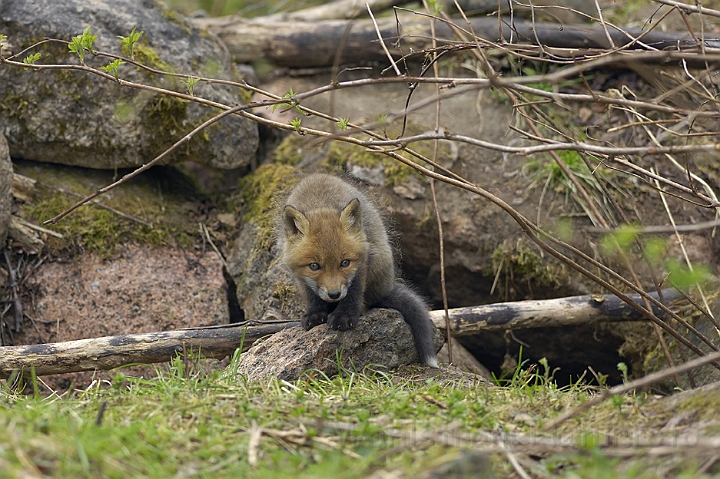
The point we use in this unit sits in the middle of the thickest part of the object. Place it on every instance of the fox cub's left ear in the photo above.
(351, 216)
(295, 222)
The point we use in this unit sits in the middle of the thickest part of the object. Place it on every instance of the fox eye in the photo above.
(345, 263)
(314, 266)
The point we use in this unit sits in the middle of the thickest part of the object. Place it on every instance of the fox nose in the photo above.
(334, 294)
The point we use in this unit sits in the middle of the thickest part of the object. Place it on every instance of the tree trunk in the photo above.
(543, 313)
(114, 351)
(302, 44)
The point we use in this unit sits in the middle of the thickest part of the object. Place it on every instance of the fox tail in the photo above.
(415, 314)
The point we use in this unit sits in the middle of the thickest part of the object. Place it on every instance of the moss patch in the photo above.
(517, 266)
(291, 150)
(341, 153)
(158, 206)
(703, 405)
(148, 56)
(259, 197)
(163, 113)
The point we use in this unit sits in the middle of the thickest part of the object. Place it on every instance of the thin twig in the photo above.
(254, 444)
(658, 229)
(604, 25)
(697, 8)
(681, 242)
(17, 304)
(438, 218)
(206, 234)
(37, 228)
(382, 42)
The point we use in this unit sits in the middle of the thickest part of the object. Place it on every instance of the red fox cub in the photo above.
(335, 243)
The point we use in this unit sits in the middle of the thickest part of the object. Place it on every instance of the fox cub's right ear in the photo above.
(351, 216)
(295, 222)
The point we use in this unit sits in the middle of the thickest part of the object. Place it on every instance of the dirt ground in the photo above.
(138, 290)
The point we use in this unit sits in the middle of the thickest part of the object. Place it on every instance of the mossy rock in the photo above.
(75, 118)
(150, 210)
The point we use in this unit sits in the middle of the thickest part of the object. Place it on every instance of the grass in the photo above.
(193, 423)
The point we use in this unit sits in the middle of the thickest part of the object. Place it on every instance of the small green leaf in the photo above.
(129, 42)
(2, 37)
(296, 124)
(655, 250)
(622, 367)
(619, 240)
(75, 47)
(190, 84)
(684, 277)
(31, 59)
(290, 104)
(82, 43)
(435, 7)
(112, 67)
(343, 123)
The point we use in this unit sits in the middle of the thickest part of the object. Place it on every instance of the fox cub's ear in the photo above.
(351, 216)
(295, 222)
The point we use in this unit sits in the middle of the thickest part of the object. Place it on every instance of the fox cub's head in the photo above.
(325, 248)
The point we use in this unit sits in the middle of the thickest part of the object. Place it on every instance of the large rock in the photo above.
(382, 340)
(76, 118)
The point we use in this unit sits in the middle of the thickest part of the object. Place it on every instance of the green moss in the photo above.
(259, 196)
(341, 153)
(15, 105)
(163, 113)
(517, 266)
(91, 227)
(704, 405)
(148, 56)
(160, 217)
(291, 150)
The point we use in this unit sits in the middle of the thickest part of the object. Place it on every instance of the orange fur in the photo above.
(335, 243)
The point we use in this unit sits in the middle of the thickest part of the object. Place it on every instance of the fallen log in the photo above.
(315, 44)
(543, 313)
(338, 9)
(217, 342)
(144, 348)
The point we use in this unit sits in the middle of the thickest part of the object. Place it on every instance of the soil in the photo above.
(138, 290)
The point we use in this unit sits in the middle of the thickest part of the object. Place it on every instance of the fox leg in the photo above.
(346, 314)
(316, 312)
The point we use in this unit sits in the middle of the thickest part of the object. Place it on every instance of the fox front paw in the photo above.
(342, 321)
(313, 318)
